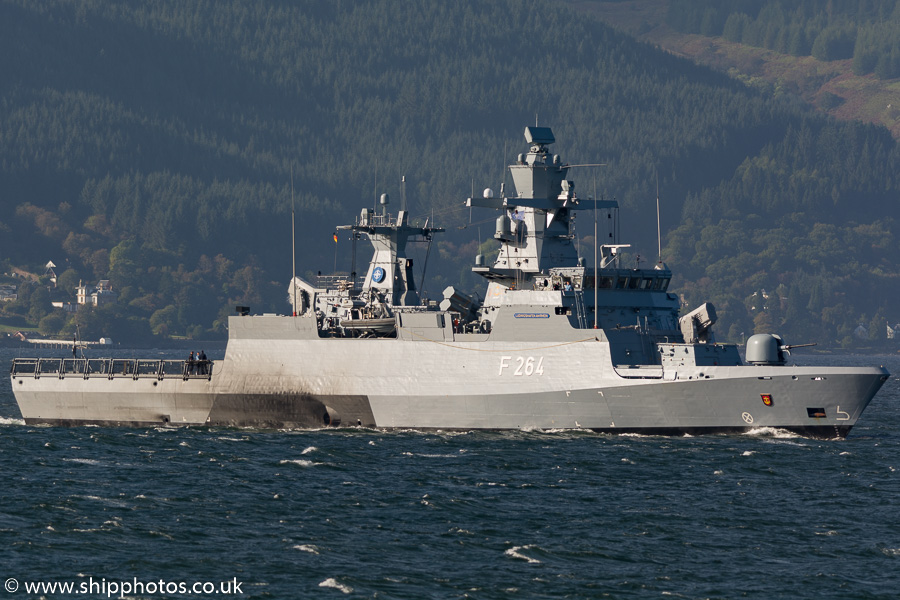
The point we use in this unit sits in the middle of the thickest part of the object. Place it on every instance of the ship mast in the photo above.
(540, 211)
(390, 270)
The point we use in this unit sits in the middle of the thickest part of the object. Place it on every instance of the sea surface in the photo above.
(366, 514)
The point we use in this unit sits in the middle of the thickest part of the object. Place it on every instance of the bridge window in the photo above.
(661, 283)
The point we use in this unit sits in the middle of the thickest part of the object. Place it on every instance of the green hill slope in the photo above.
(152, 143)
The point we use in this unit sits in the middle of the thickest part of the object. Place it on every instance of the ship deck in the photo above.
(111, 368)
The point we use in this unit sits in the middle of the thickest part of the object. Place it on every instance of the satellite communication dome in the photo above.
(488, 193)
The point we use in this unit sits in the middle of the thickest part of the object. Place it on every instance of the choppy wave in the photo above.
(514, 552)
(331, 582)
(427, 455)
(109, 501)
(773, 432)
(555, 430)
(297, 461)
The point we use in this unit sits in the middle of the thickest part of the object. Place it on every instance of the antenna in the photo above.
(75, 344)
(503, 168)
(596, 283)
(425, 265)
(403, 193)
(293, 245)
(658, 229)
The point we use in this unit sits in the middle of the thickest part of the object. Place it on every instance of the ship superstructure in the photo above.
(553, 344)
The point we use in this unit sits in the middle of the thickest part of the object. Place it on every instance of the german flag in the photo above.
(335, 237)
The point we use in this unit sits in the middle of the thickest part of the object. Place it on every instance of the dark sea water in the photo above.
(363, 514)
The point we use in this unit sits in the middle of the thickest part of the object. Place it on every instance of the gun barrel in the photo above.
(792, 346)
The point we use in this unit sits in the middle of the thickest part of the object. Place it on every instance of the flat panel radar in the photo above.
(539, 135)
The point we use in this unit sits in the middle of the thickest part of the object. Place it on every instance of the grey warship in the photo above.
(554, 344)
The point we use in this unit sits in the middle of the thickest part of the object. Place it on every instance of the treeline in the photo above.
(868, 31)
(825, 277)
(154, 143)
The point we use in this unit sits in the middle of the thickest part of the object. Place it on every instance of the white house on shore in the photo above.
(98, 295)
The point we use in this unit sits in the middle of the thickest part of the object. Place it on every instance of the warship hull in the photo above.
(450, 384)
(538, 351)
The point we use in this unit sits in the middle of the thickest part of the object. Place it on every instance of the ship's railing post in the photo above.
(52, 366)
(20, 366)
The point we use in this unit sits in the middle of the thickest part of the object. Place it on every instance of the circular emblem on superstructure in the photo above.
(378, 275)
(747, 417)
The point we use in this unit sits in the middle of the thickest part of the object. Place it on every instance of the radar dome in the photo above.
(488, 193)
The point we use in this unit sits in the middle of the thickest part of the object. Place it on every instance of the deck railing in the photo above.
(111, 368)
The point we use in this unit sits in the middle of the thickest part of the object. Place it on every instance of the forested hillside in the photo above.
(867, 31)
(152, 143)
